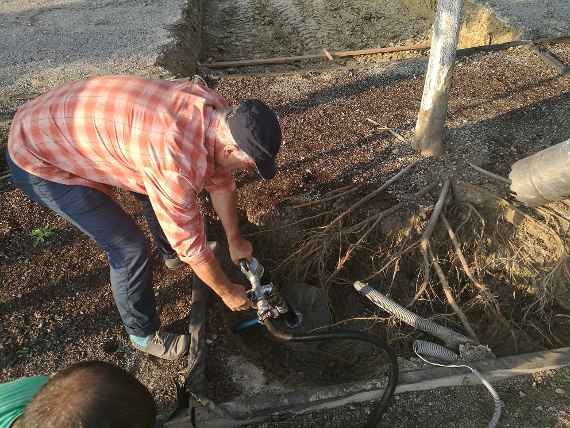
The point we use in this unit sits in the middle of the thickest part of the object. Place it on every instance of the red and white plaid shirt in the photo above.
(153, 137)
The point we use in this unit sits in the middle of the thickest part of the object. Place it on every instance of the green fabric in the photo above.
(15, 395)
(140, 341)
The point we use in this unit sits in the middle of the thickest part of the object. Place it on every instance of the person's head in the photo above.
(250, 137)
(90, 394)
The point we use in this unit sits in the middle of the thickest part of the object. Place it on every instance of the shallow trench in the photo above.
(265, 28)
(221, 30)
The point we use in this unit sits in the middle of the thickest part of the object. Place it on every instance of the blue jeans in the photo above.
(102, 219)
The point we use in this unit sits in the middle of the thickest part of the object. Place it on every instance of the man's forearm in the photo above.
(225, 205)
(213, 275)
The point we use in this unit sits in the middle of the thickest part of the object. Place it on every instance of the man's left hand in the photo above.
(240, 249)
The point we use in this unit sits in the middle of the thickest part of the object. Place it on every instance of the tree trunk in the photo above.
(433, 109)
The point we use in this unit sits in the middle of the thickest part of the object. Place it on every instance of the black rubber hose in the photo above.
(382, 406)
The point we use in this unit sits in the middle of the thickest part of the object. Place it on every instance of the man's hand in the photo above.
(237, 299)
(240, 249)
(233, 295)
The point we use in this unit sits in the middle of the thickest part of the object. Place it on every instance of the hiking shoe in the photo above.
(162, 344)
(173, 263)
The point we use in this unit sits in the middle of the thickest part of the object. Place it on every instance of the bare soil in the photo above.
(55, 300)
(261, 28)
(495, 119)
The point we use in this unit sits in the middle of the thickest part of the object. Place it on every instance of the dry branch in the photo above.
(490, 174)
(371, 195)
(450, 298)
(390, 130)
(435, 215)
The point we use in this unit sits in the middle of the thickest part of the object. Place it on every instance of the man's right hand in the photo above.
(237, 299)
(232, 294)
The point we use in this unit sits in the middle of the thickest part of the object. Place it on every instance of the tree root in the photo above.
(395, 258)
(318, 241)
(351, 232)
(430, 260)
(331, 197)
(370, 195)
(375, 219)
(482, 288)
(512, 206)
(449, 295)
(285, 226)
(490, 174)
(486, 295)
(425, 240)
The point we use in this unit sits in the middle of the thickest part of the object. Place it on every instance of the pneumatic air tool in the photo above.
(266, 297)
(273, 313)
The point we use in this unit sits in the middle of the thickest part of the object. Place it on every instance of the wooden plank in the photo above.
(307, 400)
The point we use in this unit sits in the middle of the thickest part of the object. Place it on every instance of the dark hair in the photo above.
(91, 394)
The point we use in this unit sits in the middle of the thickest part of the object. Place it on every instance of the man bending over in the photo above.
(165, 141)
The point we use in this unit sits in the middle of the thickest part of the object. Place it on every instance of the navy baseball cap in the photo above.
(256, 130)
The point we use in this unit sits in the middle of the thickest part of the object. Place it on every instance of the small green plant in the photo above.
(42, 234)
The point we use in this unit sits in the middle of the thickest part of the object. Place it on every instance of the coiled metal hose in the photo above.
(451, 338)
(422, 348)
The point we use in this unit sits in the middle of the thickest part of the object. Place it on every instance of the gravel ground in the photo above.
(55, 300)
(502, 105)
(548, 18)
(44, 43)
(534, 401)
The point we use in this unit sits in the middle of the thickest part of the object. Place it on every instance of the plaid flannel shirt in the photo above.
(153, 137)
